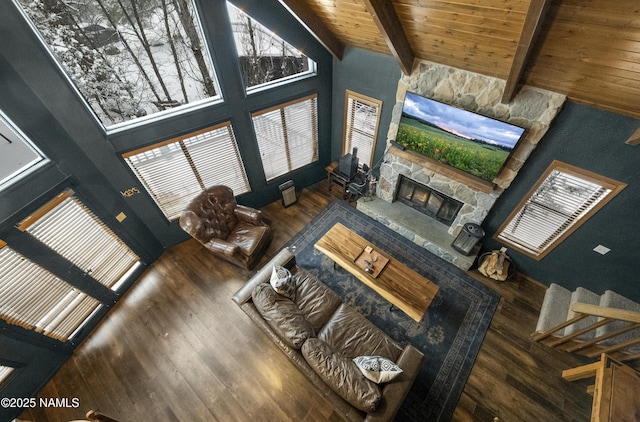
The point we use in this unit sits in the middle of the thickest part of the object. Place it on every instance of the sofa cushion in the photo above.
(282, 315)
(316, 301)
(248, 237)
(342, 375)
(353, 335)
(377, 368)
(282, 282)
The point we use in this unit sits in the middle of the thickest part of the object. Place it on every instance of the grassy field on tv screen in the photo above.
(479, 159)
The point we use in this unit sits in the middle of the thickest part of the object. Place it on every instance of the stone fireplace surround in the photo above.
(532, 108)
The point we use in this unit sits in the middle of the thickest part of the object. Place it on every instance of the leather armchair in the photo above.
(231, 231)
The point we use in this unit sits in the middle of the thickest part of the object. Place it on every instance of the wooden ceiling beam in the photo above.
(301, 11)
(390, 27)
(532, 23)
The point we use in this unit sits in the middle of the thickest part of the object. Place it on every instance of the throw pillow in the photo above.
(282, 282)
(377, 368)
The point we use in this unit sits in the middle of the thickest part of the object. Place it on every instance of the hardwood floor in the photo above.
(176, 348)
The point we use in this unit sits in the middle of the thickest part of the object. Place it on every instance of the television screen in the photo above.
(468, 141)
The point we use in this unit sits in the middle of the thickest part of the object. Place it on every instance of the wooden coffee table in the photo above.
(397, 283)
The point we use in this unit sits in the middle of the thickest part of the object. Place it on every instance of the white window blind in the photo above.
(5, 372)
(287, 136)
(33, 298)
(563, 198)
(175, 171)
(68, 227)
(361, 119)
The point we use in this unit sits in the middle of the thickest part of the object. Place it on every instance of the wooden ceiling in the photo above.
(586, 49)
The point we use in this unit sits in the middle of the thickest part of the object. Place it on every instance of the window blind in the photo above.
(287, 136)
(68, 227)
(175, 171)
(5, 372)
(560, 201)
(33, 298)
(362, 115)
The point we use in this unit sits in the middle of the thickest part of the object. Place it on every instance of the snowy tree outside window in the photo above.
(264, 57)
(128, 58)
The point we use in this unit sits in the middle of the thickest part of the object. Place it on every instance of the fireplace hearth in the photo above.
(427, 200)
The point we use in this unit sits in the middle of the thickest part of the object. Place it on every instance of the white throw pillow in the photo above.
(377, 368)
(282, 282)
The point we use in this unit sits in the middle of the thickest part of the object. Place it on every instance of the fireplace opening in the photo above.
(426, 200)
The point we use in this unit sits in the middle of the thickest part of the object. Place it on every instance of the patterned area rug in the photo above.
(450, 333)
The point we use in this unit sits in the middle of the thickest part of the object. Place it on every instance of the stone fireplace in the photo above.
(532, 108)
(427, 200)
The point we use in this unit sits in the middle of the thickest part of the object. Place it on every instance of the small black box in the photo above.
(348, 165)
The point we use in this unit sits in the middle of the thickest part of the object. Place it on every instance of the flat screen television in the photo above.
(471, 142)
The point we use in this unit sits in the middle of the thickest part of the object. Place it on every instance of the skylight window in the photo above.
(18, 155)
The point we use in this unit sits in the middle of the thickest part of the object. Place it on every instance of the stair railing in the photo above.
(606, 316)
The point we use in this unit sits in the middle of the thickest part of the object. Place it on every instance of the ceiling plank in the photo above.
(315, 26)
(532, 23)
(389, 25)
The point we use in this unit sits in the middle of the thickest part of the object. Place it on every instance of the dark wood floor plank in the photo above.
(177, 348)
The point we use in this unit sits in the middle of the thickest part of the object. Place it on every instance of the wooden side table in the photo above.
(337, 180)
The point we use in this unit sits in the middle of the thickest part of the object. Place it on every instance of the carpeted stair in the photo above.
(556, 309)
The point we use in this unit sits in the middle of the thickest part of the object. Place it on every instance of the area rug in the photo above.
(449, 334)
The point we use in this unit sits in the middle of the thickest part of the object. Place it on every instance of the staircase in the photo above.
(589, 324)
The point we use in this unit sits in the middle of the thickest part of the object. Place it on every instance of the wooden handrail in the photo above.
(544, 334)
(599, 338)
(619, 346)
(577, 334)
(606, 316)
(605, 312)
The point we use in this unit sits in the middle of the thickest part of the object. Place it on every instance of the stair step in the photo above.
(582, 295)
(555, 308)
(612, 299)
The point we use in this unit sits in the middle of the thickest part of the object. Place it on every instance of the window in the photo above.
(18, 156)
(68, 227)
(287, 136)
(264, 57)
(563, 199)
(128, 59)
(175, 171)
(361, 119)
(33, 298)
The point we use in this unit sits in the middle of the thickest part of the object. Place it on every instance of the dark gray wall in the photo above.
(591, 139)
(371, 74)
